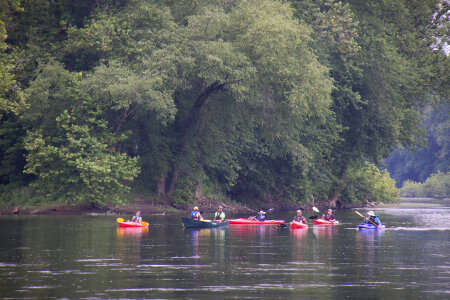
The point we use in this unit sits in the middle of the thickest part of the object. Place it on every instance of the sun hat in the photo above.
(371, 213)
(299, 210)
(261, 212)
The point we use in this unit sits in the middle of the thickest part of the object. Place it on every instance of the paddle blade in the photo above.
(144, 223)
(315, 209)
(270, 210)
(120, 220)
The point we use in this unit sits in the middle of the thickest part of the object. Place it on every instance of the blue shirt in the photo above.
(261, 217)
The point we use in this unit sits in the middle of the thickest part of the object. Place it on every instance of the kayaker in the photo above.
(137, 218)
(261, 216)
(219, 216)
(372, 219)
(329, 216)
(299, 218)
(195, 215)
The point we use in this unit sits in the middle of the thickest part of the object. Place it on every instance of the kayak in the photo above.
(370, 226)
(131, 224)
(243, 221)
(190, 223)
(295, 224)
(325, 222)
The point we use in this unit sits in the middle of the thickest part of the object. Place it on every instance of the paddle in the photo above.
(367, 219)
(120, 220)
(316, 210)
(144, 223)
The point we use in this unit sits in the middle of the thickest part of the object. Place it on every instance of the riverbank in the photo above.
(150, 207)
(146, 206)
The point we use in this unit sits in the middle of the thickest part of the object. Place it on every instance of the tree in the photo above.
(81, 163)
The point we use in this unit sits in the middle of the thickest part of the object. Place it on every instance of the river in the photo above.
(89, 257)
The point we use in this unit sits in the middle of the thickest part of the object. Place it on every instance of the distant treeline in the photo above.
(436, 186)
(419, 164)
(256, 100)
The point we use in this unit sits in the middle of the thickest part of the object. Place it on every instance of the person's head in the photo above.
(195, 208)
(219, 208)
(299, 212)
(371, 214)
(138, 213)
(261, 212)
(330, 211)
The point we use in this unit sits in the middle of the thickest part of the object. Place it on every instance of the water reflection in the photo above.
(129, 242)
(246, 232)
(299, 233)
(324, 232)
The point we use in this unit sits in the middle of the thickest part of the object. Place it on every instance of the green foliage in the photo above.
(81, 164)
(412, 189)
(256, 99)
(436, 186)
(11, 96)
(369, 184)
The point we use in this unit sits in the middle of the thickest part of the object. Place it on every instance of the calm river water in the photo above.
(89, 257)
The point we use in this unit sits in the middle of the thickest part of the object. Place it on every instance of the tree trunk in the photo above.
(186, 126)
(161, 188)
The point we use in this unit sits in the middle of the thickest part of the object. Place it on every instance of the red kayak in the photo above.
(295, 224)
(325, 222)
(132, 224)
(255, 222)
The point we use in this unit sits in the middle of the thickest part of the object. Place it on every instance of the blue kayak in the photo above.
(370, 226)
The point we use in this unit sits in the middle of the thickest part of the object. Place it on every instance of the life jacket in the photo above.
(328, 217)
(194, 215)
(218, 216)
(300, 219)
(373, 219)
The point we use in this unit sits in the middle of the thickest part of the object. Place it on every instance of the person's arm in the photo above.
(200, 216)
(222, 217)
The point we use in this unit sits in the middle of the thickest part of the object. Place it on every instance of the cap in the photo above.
(299, 210)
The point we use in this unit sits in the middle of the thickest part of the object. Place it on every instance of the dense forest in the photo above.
(250, 100)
